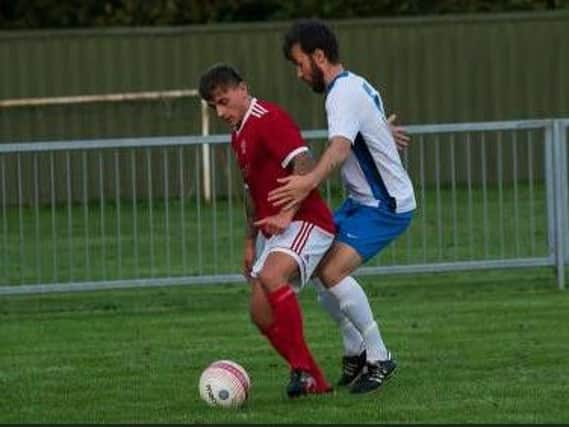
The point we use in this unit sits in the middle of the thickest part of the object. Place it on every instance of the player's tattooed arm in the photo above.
(295, 188)
(302, 163)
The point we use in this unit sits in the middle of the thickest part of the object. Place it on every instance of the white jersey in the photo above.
(373, 172)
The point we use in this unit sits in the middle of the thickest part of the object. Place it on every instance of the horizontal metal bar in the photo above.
(120, 284)
(94, 144)
(458, 266)
(479, 126)
(90, 99)
(237, 278)
(454, 127)
(97, 144)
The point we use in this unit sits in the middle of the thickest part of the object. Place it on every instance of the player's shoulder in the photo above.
(267, 108)
(347, 90)
(346, 83)
(269, 111)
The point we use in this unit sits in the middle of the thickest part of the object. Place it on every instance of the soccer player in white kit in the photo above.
(380, 202)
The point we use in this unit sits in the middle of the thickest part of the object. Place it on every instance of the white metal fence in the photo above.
(116, 213)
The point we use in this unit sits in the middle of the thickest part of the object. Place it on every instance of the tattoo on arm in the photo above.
(250, 229)
(302, 163)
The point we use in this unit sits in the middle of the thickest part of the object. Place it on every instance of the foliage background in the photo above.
(35, 14)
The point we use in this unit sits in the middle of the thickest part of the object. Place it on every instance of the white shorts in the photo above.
(305, 242)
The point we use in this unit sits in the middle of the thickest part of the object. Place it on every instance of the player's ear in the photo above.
(319, 56)
(243, 86)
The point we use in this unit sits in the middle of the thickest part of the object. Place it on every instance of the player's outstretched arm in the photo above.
(295, 188)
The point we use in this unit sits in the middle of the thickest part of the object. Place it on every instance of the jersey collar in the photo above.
(333, 82)
(246, 116)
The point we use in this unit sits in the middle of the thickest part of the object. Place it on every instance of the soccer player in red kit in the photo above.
(282, 249)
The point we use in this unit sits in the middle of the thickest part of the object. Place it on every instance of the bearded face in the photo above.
(316, 82)
(307, 70)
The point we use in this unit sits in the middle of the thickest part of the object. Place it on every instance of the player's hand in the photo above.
(275, 224)
(402, 139)
(248, 257)
(294, 191)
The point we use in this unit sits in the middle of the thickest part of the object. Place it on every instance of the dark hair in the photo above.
(311, 34)
(218, 76)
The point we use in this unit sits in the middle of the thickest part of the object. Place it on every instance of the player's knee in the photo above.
(271, 279)
(330, 276)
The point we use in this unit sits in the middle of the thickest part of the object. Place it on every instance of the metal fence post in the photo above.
(549, 160)
(565, 183)
(563, 128)
(560, 197)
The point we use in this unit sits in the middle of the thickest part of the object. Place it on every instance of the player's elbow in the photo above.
(341, 148)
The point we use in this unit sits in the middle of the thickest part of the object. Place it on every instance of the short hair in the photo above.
(311, 34)
(218, 76)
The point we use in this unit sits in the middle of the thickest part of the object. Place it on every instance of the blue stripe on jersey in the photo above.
(375, 96)
(371, 173)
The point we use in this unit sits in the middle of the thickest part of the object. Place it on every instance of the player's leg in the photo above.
(363, 233)
(286, 332)
(334, 272)
(262, 316)
(259, 307)
(288, 258)
(354, 345)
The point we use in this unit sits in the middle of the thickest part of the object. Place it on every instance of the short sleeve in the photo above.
(283, 138)
(342, 113)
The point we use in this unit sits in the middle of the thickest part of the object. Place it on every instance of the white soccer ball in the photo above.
(225, 383)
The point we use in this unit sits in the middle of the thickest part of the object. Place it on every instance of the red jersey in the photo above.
(265, 143)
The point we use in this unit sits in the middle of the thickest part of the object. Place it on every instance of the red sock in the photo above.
(286, 334)
(278, 344)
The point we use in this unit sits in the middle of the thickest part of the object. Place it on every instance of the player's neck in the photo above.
(331, 72)
(246, 107)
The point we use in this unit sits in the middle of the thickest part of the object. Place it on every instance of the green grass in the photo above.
(484, 347)
(126, 241)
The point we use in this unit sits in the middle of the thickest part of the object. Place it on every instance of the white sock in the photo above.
(355, 305)
(351, 338)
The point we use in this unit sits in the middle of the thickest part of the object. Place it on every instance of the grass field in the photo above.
(484, 347)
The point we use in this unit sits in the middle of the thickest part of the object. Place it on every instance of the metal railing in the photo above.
(489, 195)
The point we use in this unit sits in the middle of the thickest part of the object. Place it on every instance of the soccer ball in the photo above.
(224, 383)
